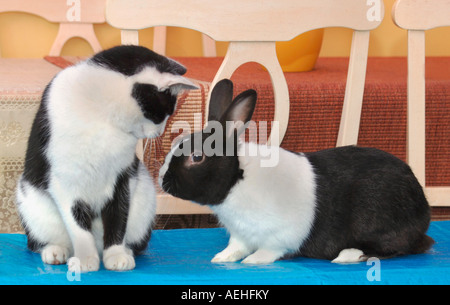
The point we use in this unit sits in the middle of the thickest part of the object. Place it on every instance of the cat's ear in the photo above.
(178, 83)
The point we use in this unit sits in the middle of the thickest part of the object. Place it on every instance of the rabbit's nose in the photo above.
(160, 181)
(162, 173)
(162, 126)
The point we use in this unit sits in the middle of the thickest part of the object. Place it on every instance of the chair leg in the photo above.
(438, 195)
(281, 97)
(70, 30)
(416, 104)
(354, 90)
(263, 53)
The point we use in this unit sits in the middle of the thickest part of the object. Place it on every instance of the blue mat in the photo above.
(183, 257)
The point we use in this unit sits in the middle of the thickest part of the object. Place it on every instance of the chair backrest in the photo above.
(417, 16)
(236, 20)
(253, 27)
(160, 42)
(421, 15)
(76, 18)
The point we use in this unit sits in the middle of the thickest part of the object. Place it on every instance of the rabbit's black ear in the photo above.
(221, 98)
(240, 111)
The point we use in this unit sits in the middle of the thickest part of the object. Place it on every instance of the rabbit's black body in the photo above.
(369, 200)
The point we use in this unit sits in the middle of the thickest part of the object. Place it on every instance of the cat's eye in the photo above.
(197, 157)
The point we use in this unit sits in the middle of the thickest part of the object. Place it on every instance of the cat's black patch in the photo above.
(37, 167)
(130, 60)
(115, 212)
(83, 215)
(33, 244)
(155, 105)
(141, 246)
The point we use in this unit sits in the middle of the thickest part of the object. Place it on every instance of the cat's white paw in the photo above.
(54, 255)
(118, 258)
(119, 262)
(86, 264)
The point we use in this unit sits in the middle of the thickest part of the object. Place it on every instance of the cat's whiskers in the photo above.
(155, 144)
(145, 147)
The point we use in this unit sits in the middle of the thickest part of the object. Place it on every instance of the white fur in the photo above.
(34, 204)
(143, 206)
(118, 257)
(270, 211)
(235, 251)
(95, 124)
(85, 264)
(54, 254)
(350, 255)
(165, 166)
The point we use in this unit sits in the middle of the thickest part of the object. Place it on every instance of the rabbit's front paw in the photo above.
(227, 256)
(235, 251)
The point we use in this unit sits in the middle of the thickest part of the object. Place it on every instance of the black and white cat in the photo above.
(83, 192)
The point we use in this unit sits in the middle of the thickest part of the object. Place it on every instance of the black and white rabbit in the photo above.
(342, 204)
(83, 191)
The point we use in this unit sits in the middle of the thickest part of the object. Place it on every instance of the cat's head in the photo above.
(139, 87)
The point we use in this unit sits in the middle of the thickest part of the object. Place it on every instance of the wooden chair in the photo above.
(252, 27)
(160, 40)
(417, 16)
(75, 17)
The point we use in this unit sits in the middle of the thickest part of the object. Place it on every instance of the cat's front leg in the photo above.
(116, 255)
(78, 219)
(77, 216)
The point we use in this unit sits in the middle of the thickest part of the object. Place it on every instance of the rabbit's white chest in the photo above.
(242, 223)
(271, 207)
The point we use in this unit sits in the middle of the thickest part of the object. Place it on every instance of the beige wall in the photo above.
(24, 35)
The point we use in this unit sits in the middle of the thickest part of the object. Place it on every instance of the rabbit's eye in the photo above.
(197, 157)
